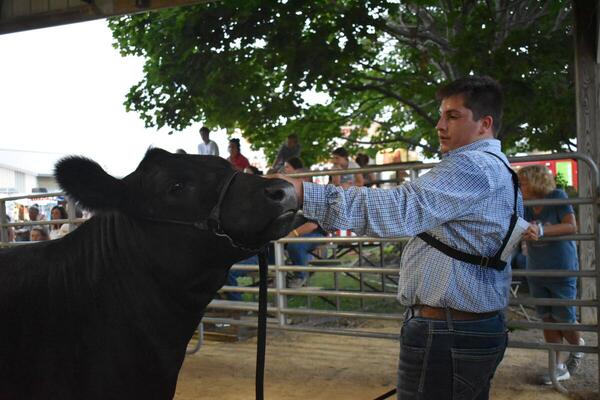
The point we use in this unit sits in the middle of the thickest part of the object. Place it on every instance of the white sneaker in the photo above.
(574, 360)
(562, 374)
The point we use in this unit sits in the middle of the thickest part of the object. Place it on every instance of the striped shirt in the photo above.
(465, 201)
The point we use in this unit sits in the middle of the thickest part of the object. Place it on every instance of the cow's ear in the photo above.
(85, 181)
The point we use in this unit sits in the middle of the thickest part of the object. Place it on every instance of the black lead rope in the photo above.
(386, 395)
(262, 323)
(261, 342)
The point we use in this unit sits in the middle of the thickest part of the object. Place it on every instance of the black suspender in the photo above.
(492, 262)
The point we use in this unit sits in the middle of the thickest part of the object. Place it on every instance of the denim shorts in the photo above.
(565, 289)
(456, 360)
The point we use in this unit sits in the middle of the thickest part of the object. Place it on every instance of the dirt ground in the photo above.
(318, 366)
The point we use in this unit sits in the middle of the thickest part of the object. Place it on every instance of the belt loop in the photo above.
(449, 319)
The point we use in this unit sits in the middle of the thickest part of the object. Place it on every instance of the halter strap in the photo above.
(212, 223)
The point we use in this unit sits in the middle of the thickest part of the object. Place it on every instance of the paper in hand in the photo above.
(514, 240)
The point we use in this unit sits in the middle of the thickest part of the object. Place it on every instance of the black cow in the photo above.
(107, 311)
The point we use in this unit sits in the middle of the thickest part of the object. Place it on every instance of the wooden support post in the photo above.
(587, 80)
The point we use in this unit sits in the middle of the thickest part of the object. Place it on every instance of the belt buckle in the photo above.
(485, 262)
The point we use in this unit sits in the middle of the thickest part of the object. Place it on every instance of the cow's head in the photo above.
(182, 187)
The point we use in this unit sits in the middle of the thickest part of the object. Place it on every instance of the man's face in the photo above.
(204, 136)
(456, 127)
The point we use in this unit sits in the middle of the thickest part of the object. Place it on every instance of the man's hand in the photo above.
(297, 186)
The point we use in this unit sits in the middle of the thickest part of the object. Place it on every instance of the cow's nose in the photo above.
(281, 192)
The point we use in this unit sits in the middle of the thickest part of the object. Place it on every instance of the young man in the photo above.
(291, 148)
(207, 147)
(454, 334)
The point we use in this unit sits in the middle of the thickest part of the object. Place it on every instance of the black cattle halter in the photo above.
(212, 223)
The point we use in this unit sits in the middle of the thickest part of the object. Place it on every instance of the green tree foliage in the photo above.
(248, 64)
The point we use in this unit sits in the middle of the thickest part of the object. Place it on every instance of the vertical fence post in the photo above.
(281, 299)
(361, 275)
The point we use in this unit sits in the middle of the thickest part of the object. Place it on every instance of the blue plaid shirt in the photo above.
(465, 201)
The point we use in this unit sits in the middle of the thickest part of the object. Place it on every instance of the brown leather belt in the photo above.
(424, 311)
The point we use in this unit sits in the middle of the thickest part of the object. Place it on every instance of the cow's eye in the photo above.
(176, 188)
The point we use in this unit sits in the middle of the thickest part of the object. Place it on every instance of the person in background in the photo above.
(537, 182)
(207, 147)
(58, 230)
(10, 231)
(38, 234)
(23, 233)
(454, 335)
(236, 158)
(295, 165)
(180, 151)
(340, 160)
(291, 148)
(300, 253)
(370, 178)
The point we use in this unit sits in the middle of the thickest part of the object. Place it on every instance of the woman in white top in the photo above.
(58, 230)
(340, 160)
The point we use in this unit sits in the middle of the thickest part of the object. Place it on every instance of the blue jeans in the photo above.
(300, 252)
(452, 359)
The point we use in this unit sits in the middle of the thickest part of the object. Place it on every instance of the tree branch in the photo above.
(400, 30)
(396, 96)
(402, 139)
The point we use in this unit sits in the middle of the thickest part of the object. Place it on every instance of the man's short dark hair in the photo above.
(292, 136)
(340, 151)
(204, 130)
(481, 94)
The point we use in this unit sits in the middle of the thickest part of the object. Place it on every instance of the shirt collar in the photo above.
(482, 144)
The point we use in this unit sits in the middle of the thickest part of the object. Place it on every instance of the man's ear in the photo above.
(86, 182)
(487, 125)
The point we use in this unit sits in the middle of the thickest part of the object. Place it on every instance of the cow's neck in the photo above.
(153, 284)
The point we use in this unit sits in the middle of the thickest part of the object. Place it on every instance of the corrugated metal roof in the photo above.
(37, 163)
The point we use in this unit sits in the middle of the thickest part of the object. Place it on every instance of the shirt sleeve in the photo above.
(563, 209)
(447, 192)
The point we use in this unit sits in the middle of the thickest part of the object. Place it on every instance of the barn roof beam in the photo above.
(19, 15)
